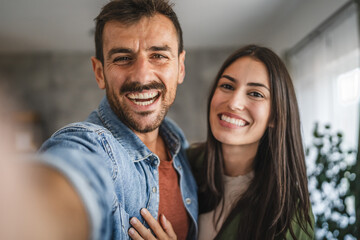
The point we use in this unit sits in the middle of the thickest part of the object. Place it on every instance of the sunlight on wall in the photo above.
(348, 87)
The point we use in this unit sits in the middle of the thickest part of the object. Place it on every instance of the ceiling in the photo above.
(67, 25)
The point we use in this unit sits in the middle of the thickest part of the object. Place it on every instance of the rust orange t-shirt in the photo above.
(171, 203)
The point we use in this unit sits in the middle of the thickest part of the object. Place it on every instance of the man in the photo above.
(126, 156)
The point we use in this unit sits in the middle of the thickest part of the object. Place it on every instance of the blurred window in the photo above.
(325, 71)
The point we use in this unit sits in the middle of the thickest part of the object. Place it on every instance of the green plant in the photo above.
(332, 185)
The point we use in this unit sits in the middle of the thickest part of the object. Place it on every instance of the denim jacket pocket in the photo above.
(122, 221)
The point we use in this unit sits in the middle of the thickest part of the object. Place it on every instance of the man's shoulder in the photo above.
(81, 127)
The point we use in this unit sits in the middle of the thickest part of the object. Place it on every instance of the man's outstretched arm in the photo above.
(56, 208)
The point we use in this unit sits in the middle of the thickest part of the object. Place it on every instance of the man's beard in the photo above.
(125, 114)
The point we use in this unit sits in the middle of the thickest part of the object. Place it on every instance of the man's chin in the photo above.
(141, 128)
(144, 123)
(138, 121)
(147, 129)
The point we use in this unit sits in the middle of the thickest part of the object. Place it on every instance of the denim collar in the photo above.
(130, 141)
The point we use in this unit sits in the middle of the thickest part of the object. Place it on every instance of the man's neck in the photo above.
(155, 144)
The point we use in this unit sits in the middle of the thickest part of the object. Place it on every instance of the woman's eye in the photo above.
(226, 86)
(256, 94)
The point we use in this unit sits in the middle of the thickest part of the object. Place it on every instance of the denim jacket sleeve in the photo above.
(79, 153)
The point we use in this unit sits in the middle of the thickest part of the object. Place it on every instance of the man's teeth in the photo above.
(142, 95)
(143, 99)
(237, 122)
(144, 103)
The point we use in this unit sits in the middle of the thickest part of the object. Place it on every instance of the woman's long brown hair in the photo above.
(278, 193)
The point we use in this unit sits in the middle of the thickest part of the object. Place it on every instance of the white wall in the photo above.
(301, 22)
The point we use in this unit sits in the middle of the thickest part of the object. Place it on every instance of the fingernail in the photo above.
(164, 218)
(144, 211)
(131, 231)
(133, 221)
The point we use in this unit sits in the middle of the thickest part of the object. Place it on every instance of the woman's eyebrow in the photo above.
(255, 84)
(228, 77)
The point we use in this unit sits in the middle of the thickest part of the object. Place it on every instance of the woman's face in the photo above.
(240, 107)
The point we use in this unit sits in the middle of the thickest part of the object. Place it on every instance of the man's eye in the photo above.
(226, 86)
(122, 59)
(159, 56)
(256, 94)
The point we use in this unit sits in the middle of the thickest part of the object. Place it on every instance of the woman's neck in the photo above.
(238, 160)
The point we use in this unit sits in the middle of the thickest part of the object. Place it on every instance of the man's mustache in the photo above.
(138, 87)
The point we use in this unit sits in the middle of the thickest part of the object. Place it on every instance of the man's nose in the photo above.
(142, 70)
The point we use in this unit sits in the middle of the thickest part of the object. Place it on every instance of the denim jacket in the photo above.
(115, 174)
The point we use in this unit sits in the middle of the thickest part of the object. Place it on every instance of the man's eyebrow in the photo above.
(160, 48)
(254, 84)
(128, 50)
(118, 50)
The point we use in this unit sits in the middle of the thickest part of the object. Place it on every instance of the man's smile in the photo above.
(143, 98)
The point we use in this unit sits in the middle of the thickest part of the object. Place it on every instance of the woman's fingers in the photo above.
(163, 231)
(141, 231)
(153, 224)
(134, 234)
(167, 227)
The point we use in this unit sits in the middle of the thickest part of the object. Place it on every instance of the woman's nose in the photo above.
(237, 102)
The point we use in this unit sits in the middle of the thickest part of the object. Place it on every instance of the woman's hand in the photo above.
(163, 231)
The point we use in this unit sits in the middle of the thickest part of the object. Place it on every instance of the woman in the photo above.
(251, 170)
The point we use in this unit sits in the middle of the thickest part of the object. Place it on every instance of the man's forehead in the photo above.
(155, 30)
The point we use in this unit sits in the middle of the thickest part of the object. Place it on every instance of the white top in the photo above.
(233, 188)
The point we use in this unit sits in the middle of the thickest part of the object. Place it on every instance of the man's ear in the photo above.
(99, 72)
(181, 67)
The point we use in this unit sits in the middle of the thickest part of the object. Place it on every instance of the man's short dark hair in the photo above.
(129, 12)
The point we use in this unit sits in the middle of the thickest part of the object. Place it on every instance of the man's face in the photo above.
(141, 70)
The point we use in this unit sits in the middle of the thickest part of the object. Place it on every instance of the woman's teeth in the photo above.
(235, 121)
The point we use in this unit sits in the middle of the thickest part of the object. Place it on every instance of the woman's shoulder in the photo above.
(196, 155)
(230, 231)
(196, 151)
(298, 229)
